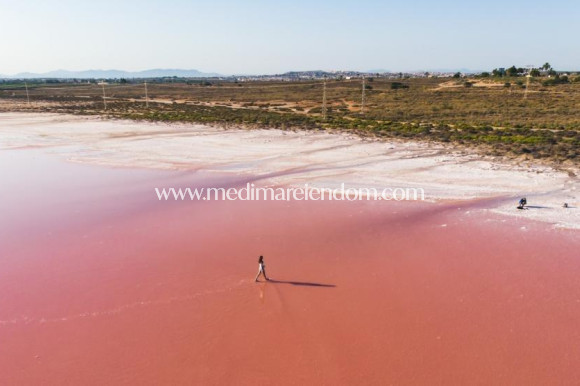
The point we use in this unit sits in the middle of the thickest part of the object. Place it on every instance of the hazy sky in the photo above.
(276, 36)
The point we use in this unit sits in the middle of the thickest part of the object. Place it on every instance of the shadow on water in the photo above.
(301, 283)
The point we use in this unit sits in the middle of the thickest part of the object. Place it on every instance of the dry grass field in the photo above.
(497, 116)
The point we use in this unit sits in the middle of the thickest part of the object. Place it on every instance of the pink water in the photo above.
(100, 283)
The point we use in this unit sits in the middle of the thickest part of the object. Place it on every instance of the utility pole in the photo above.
(27, 95)
(528, 76)
(363, 97)
(146, 96)
(104, 96)
(324, 99)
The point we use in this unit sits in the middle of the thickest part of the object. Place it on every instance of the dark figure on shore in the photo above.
(261, 269)
(522, 203)
(565, 205)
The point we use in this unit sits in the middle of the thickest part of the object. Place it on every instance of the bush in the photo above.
(556, 80)
(398, 85)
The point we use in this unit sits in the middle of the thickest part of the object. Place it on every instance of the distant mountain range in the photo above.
(110, 74)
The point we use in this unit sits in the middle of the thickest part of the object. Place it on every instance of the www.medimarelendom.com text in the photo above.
(306, 193)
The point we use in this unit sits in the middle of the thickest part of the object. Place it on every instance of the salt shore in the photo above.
(294, 158)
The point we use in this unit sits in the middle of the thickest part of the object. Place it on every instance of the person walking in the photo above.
(261, 269)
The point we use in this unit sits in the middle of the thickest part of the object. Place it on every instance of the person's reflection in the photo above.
(262, 289)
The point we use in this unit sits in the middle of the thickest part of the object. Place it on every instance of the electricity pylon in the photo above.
(363, 97)
(528, 76)
(104, 96)
(27, 95)
(146, 96)
(324, 100)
